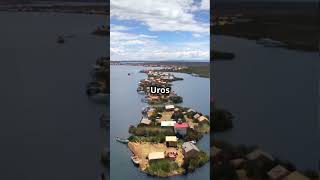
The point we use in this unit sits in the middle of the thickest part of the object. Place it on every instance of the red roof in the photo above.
(182, 125)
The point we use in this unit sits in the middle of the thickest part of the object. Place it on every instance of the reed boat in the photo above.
(135, 159)
(122, 140)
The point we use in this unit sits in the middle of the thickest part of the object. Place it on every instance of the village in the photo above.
(164, 142)
(161, 80)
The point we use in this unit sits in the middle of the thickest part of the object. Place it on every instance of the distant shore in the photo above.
(77, 8)
(293, 24)
(201, 69)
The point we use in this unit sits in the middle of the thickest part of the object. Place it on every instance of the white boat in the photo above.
(135, 159)
(122, 140)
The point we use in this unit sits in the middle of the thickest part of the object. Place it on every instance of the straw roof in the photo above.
(156, 155)
(171, 138)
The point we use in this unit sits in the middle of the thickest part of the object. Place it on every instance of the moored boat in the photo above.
(122, 140)
(135, 159)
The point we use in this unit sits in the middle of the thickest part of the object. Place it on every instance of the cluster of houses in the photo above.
(156, 79)
(189, 149)
(175, 119)
(166, 68)
(180, 129)
(278, 172)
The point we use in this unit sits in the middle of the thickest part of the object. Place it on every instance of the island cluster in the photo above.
(164, 142)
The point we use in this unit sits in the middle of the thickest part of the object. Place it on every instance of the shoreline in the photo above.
(72, 8)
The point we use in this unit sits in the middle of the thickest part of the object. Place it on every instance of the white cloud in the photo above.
(176, 16)
(161, 15)
(205, 5)
(119, 28)
(129, 46)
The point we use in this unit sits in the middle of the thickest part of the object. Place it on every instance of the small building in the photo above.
(189, 149)
(278, 172)
(156, 156)
(181, 128)
(176, 109)
(145, 121)
(171, 141)
(259, 154)
(296, 176)
(169, 107)
(203, 119)
(168, 123)
(196, 116)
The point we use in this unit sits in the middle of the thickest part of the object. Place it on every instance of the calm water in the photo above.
(273, 94)
(126, 109)
(49, 129)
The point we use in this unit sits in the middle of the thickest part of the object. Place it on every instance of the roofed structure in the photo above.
(156, 155)
(145, 121)
(168, 123)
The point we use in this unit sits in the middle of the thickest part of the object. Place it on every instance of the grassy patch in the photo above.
(162, 167)
(196, 161)
(150, 131)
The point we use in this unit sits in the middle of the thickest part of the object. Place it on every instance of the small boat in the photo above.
(128, 74)
(193, 142)
(135, 159)
(122, 140)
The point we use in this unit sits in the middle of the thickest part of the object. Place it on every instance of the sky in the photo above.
(159, 30)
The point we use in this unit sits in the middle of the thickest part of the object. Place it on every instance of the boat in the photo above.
(122, 140)
(193, 142)
(135, 159)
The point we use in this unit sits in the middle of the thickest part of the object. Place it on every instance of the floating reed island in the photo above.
(160, 80)
(164, 141)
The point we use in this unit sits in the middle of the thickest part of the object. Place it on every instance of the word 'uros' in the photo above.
(159, 90)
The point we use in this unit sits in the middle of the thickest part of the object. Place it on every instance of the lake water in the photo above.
(49, 129)
(126, 106)
(273, 94)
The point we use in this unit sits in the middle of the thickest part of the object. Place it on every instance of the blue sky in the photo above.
(160, 30)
